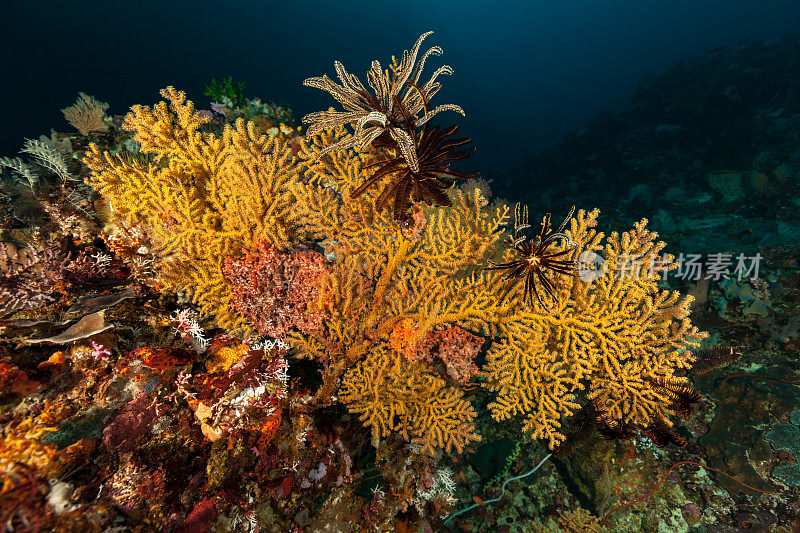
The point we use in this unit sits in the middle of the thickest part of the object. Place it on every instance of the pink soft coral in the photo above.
(277, 291)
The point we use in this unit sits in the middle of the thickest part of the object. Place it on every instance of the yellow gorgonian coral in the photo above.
(200, 197)
(392, 394)
(385, 274)
(575, 521)
(618, 337)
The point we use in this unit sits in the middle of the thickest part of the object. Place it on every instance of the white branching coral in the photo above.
(440, 485)
(185, 324)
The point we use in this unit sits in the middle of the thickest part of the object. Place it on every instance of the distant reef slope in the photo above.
(714, 133)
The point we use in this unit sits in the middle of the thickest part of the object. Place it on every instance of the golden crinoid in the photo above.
(380, 113)
(535, 258)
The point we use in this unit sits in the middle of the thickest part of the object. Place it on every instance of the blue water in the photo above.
(526, 73)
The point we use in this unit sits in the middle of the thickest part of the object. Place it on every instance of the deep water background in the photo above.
(525, 72)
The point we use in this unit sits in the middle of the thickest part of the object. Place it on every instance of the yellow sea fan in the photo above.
(390, 393)
(200, 197)
(615, 337)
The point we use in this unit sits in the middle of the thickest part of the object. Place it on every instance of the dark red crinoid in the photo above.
(436, 150)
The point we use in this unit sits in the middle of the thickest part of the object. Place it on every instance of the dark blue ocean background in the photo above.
(526, 73)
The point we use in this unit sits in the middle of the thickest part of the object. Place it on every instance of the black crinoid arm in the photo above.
(537, 259)
(436, 149)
